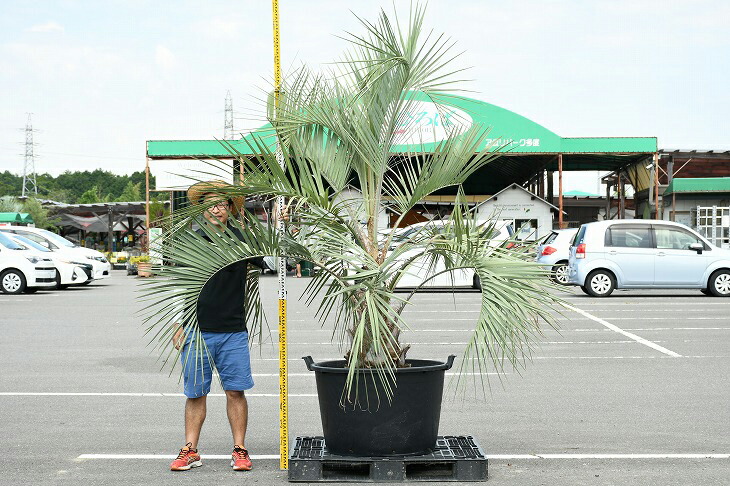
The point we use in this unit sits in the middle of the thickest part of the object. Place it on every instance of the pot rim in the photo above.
(436, 366)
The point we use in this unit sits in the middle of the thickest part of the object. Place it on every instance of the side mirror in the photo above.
(698, 247)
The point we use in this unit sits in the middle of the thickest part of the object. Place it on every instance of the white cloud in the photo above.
(165, 58)
(50, 26)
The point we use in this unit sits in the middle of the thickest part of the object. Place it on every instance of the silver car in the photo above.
(554, 252)
(642, 254)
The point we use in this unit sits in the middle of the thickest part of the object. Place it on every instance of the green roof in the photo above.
(699, 184)
(15, 218)
(579, 194)
(515, 133)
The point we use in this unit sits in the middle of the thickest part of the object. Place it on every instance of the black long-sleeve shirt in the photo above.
(221, 305)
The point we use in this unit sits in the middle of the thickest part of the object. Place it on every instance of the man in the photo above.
(221, 319)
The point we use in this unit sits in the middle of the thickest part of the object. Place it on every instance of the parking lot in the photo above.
(634, 389)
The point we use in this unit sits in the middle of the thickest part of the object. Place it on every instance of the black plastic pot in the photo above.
(371, 426)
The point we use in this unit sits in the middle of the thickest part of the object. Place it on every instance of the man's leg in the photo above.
(197, 378)
(195, 409)
(237, 408)
(234, 368)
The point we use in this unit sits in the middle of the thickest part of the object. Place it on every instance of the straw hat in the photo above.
(197, 191)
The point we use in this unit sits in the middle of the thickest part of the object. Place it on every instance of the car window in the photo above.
(668, 238)
(34, 237)
(58, 240)
(629, 236)
(8, 243)
(579, 236)
(551, 237)
(30, 243)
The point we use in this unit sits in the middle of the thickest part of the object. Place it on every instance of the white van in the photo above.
(65, 249)
(22, 270)
(419, 271)
(69, 272)
(646, 254)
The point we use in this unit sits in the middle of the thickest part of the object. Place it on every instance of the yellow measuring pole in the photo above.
(280, 208)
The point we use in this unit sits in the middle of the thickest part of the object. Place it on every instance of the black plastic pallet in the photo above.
(455, 458)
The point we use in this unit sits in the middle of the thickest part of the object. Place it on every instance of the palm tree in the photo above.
(338, 131)
(10, 204)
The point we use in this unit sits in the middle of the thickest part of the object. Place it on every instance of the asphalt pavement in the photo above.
(634, 389)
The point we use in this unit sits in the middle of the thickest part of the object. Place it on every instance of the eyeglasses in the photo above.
(221, 205)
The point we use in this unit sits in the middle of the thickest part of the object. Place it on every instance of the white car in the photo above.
(22, 270)
(554, 253)
(69, 272)
(419, 272)
(66, 249)
(644, 254)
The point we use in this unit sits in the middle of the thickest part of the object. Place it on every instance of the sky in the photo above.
(102, 78)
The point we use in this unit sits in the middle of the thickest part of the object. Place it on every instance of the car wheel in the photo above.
(585, 290)
(87, 282)
(560, 274)
(600, 283)
(719, 283)
(706, 292)
(12, 282)
(476, 283)
(59, 285)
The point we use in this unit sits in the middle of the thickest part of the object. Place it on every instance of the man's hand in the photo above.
(177, 338)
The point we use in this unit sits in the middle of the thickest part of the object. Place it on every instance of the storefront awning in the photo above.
(16, 218)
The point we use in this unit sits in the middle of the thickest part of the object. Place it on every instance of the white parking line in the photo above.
(171, 456)
(488, 456)
(653, 329)
(684, 318)
(611, 456)
(617, 329)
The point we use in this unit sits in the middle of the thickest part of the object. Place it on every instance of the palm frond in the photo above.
(337, 133)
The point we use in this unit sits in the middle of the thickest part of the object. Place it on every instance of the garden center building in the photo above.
(529, 154)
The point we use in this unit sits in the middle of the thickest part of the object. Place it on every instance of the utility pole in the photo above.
(29, 183)
(228, 122)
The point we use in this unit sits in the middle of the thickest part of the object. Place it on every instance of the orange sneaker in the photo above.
(187, 459)
(240, 460)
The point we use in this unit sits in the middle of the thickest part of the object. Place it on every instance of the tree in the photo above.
(10, 204)
(159, 212)
(339, 131)
(10, 184)
(91, 196)
(131, 193)
(69, 186)
(42, 217)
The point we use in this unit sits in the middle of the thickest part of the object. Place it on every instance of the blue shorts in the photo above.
(229, 351)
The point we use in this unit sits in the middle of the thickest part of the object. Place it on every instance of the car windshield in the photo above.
(8, 243)
(551, 237)
(57, 239)
(30, 243)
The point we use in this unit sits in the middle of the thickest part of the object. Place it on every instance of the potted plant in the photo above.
(357, 129)
(144, 266)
